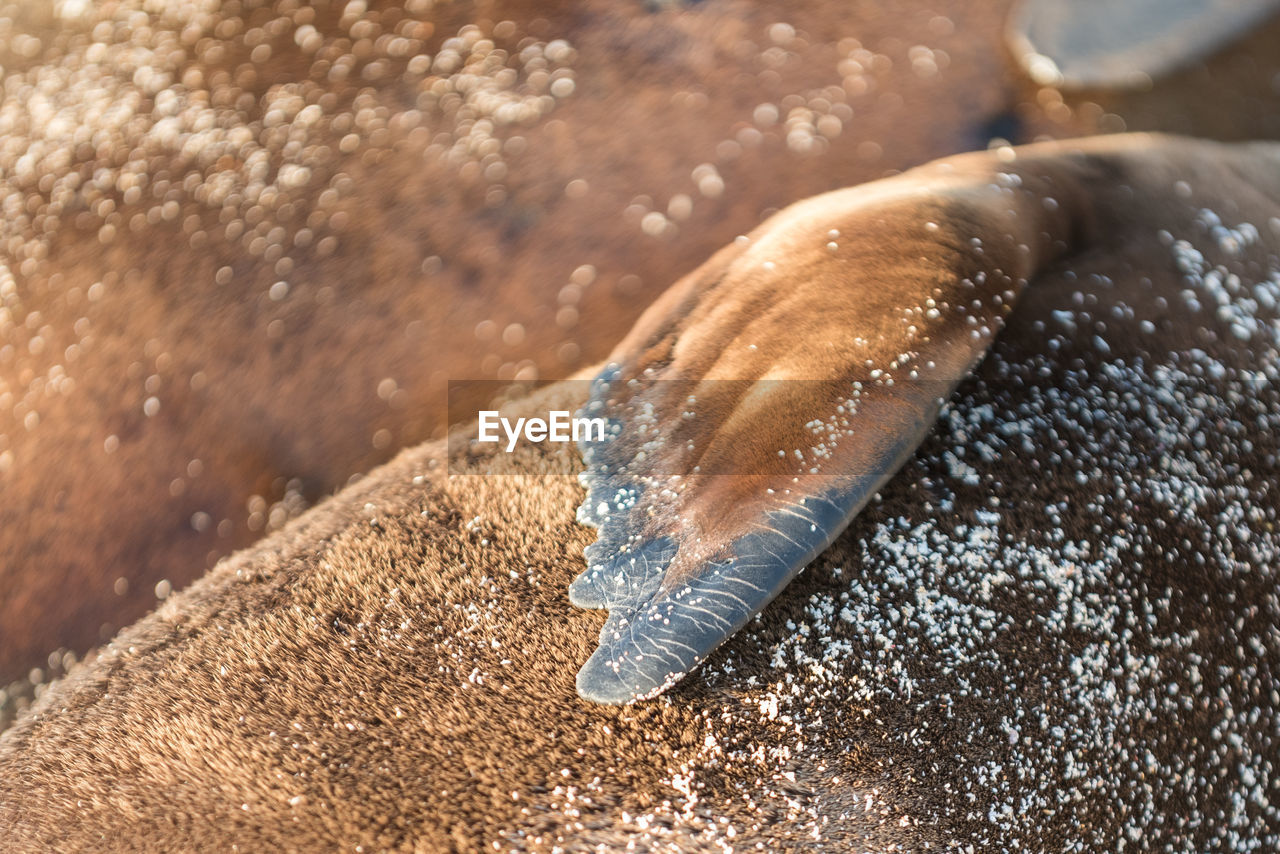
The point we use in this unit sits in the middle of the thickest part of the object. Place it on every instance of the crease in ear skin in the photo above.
(765, 398)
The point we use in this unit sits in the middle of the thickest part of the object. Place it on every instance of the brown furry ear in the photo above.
(766, 397)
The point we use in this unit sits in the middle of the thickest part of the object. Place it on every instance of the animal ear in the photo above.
(1123, 45)
(767, 396)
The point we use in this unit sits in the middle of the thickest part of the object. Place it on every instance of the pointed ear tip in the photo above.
(598, 683)
(584, 594)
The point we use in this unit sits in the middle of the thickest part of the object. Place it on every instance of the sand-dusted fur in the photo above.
(435, 210)
(1055, 628)
(403, 235)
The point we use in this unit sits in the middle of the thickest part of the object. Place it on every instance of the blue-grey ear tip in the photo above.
(599, 682)
(585, 593)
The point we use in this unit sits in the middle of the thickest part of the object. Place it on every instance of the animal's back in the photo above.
(1054, 628)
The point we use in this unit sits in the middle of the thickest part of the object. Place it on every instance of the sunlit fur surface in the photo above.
(248, 243)
(171, 153)
(1055, 628)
